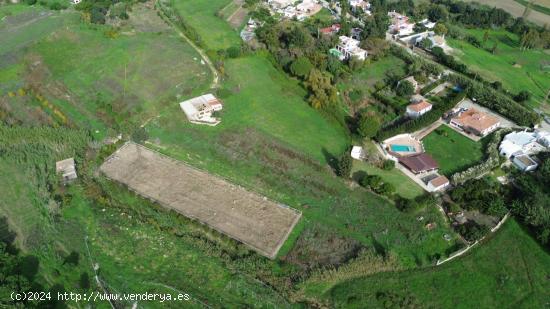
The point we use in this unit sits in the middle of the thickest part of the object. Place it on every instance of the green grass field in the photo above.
(508, 271)
(517, 70)
(453, 151)
(201, 15)
(96, 78)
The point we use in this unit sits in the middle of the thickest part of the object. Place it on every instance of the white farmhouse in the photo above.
(418, 109)
(199, 110)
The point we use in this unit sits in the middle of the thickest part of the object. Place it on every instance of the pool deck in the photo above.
(404, 140)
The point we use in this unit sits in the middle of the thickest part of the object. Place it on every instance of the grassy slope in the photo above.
(527, 76)
(453, 152)
(201, 15)
(125, 71)
(510, 270)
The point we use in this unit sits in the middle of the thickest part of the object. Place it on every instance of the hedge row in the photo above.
(492, 156)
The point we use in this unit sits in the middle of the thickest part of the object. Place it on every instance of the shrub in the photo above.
(404, 88)
(388, 165)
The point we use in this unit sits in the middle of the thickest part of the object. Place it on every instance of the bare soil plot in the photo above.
(262, 224)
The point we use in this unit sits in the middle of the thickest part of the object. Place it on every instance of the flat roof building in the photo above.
(199, 110)
(67, 169)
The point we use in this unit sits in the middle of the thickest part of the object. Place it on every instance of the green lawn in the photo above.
(453, 151)
(405, 187)
(517, 70)
(201, 15)
(510, 270)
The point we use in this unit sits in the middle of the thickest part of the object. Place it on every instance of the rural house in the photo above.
(399, 24)
(420, 163)
(418, 109)
(475, 122)
(67, 169)
(330, 30)
(437, 184)
(199, 110)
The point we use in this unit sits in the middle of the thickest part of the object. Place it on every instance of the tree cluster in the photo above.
(531, 199)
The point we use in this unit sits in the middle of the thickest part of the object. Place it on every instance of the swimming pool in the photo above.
(402, 148)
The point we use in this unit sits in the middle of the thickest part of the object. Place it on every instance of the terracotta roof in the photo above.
(420, 106)
(332, 29)
(439, 181)
(419, 163)
(476, 120)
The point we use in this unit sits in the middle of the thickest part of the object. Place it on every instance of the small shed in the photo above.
(67, 169)
(357, 153)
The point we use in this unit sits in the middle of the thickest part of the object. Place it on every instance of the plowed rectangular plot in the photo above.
(245, 216)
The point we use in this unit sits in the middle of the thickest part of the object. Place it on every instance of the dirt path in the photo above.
(216, 79)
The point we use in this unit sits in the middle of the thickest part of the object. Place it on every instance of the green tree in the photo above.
(344, 165)
(440, 29)
(84, 281)
(301, 67)
(437, 13)
(72, 259)
(321, 92)
(369, 125)
(404, 88)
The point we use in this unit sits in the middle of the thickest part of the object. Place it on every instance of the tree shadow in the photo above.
(331, 159)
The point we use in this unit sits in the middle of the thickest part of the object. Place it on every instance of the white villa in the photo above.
(199, 110)
(400, 24)
(523, 142)
(349, 48)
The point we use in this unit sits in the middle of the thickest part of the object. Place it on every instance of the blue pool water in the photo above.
(402, 148)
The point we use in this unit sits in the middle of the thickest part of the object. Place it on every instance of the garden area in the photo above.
(453, 151)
